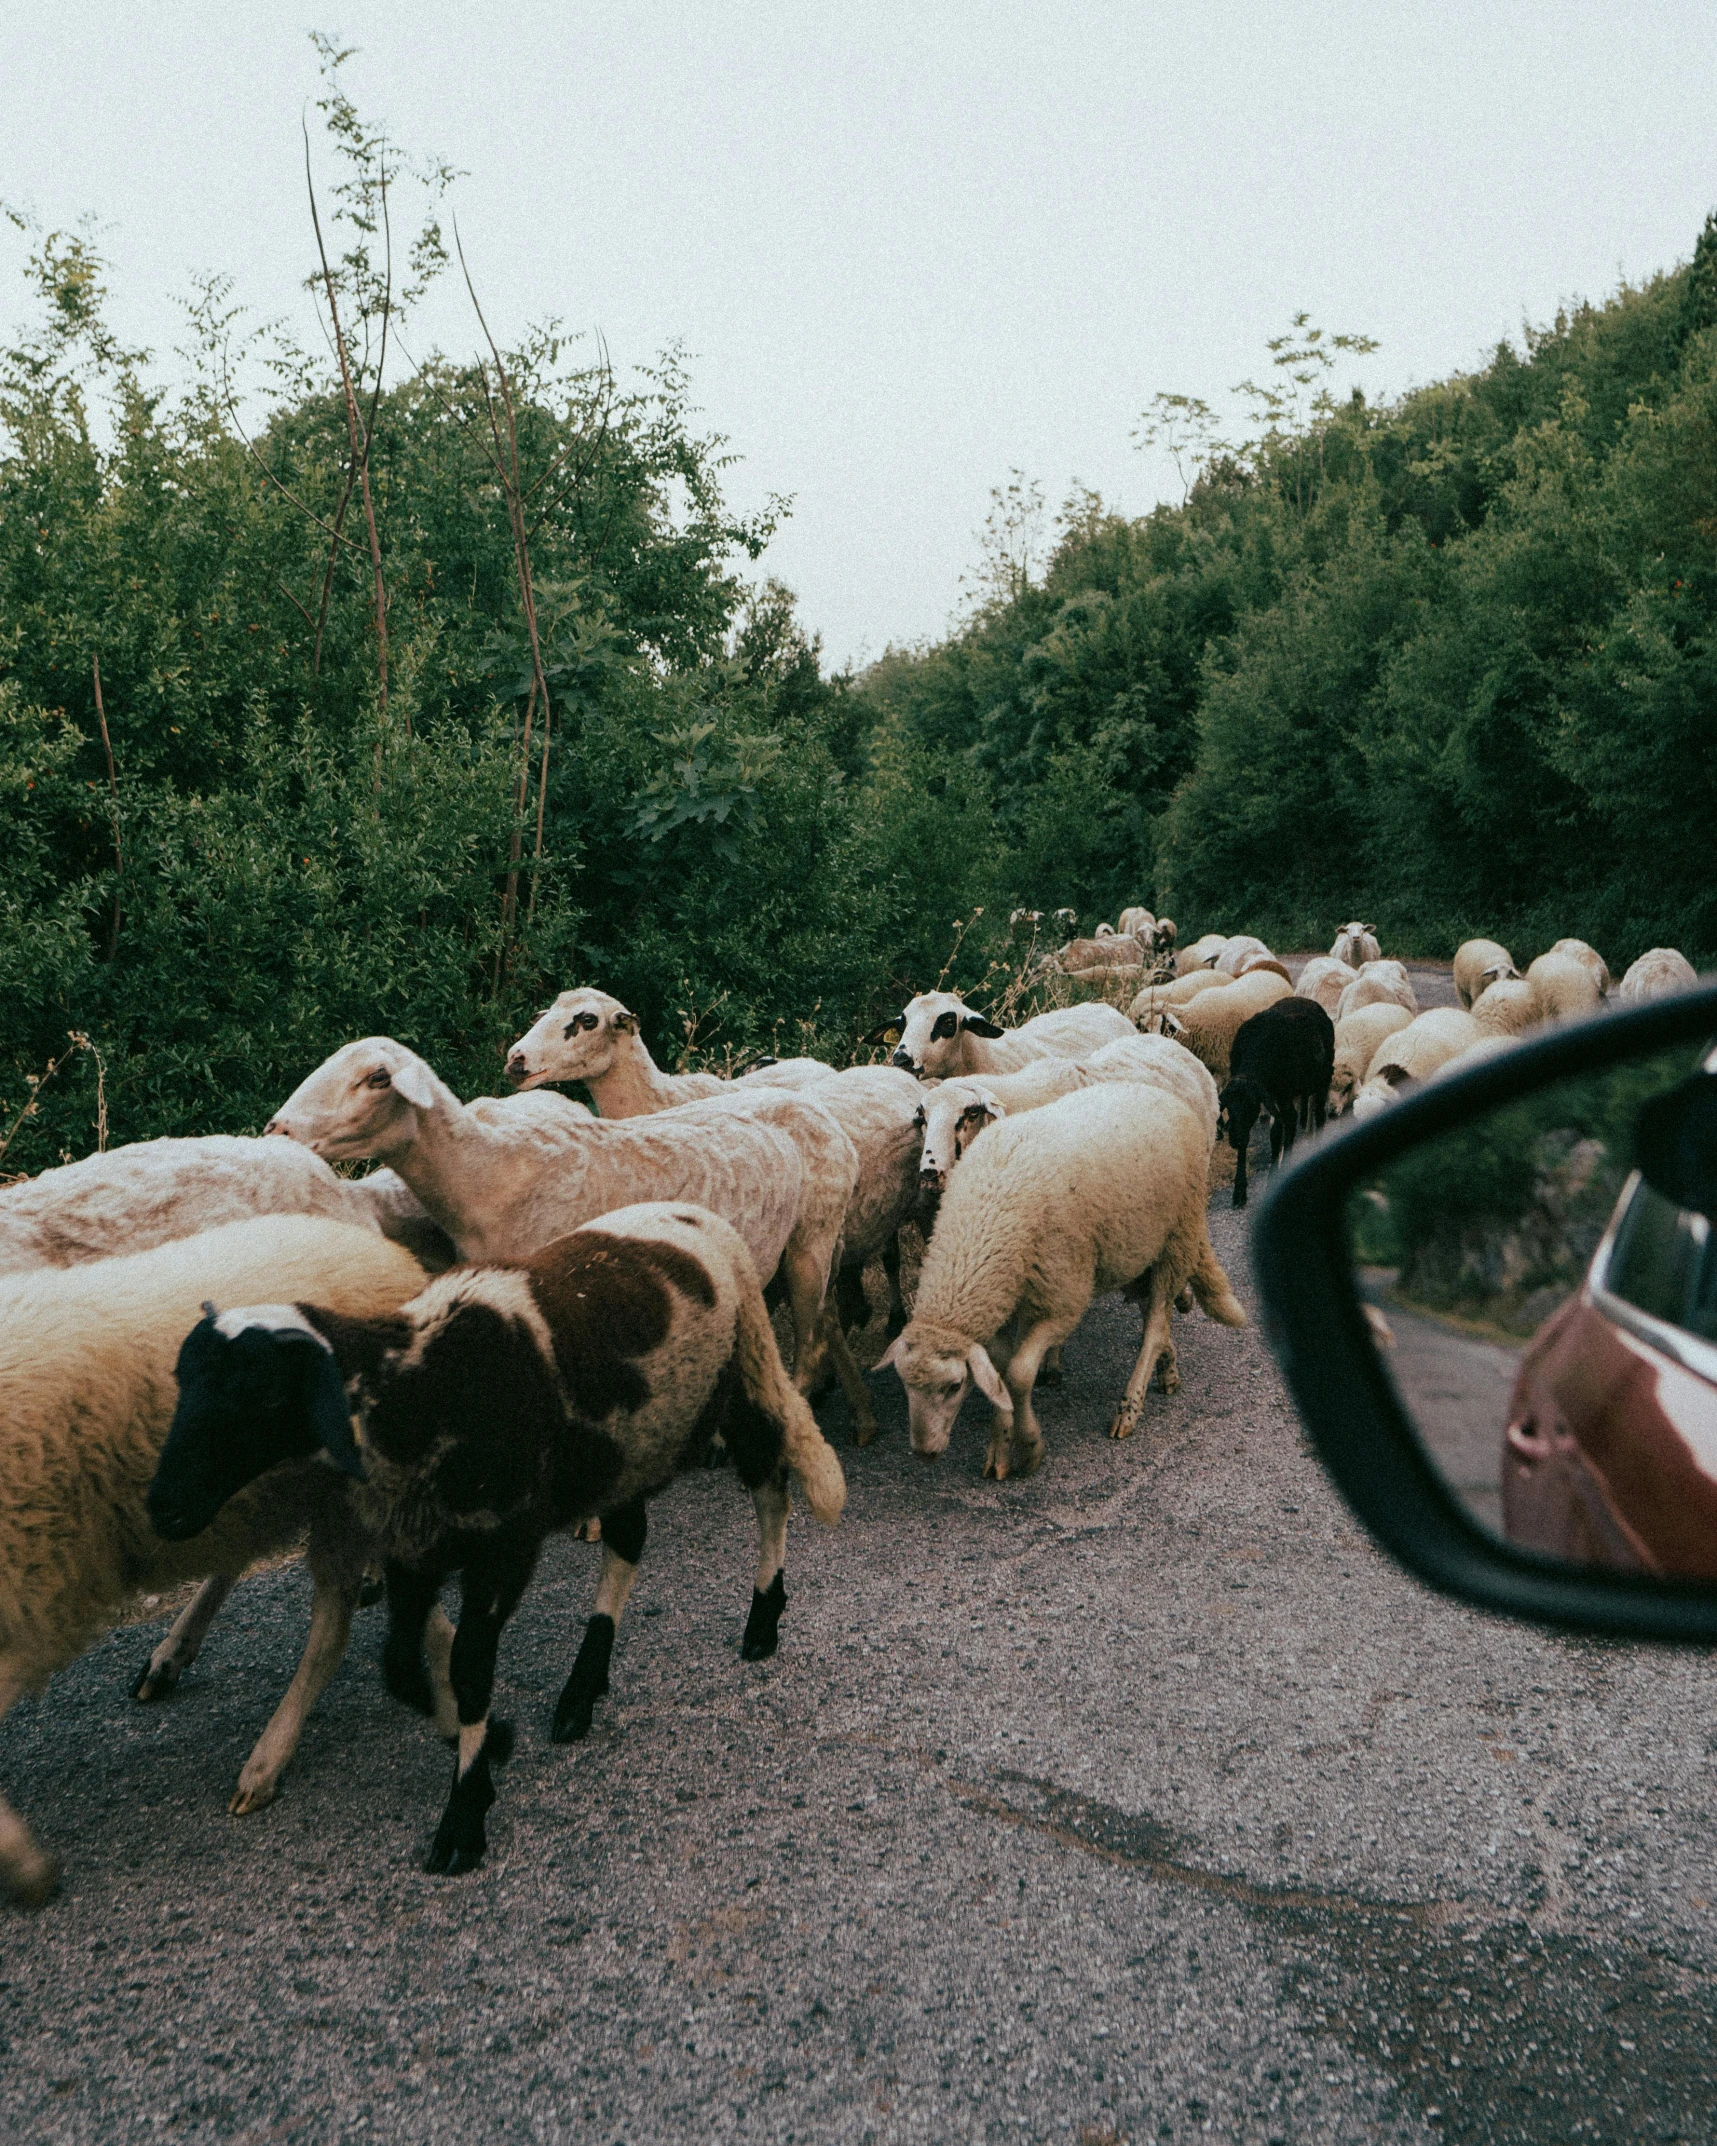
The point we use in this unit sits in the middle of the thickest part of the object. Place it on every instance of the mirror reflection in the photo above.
(1542, 1285)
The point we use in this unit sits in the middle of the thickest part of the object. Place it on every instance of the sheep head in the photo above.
(929, 1034)
(257, 1387)
(579, 1038)
(363, 1101)
(936, 1366)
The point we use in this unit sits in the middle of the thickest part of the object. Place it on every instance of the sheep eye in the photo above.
(948, 1392)
(587, 1020)
(946, 1025)
(381, 1078)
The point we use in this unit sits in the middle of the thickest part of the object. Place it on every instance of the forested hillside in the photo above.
(430, 688)
(1448, 661)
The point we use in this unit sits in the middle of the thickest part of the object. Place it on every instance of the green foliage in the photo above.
(1447, 661)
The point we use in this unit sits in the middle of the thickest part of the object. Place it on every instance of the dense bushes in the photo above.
(1449, 662)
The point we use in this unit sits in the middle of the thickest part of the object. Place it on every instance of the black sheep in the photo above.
(1280, 1065)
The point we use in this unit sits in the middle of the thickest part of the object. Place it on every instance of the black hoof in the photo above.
(156, 1683)
(573, 1716)
(453, 1857)
(408, 1680)
(587, 1683)
(371, 1593)
(762, 1627)
(1050, 1375)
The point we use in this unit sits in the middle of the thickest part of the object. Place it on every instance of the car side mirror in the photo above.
(1495, 1303)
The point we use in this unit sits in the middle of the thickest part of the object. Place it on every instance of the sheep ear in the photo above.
(975, 1025)
(891, 1355)
(331, 1414)
(889, 1032)
(628, 1021)
(989, 1381)
(412, 1080)
(1172, 1025)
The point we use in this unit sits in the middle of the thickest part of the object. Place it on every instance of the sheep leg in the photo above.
(331, 1612)
(489, 1594)
(896, 1299)
(1050, 1372)
(179, 1649)
(1158, 1340)
(1240, 1147)
(29, 1877)
(851, 1378)
(1018, 1449)
(806, 1279)
(623, 1532)
(769, 1589)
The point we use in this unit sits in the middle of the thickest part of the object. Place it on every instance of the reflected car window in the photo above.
(1663, 1263)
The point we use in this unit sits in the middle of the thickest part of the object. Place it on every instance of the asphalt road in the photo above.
(1140, 1800)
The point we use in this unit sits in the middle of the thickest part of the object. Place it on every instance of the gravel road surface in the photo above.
(1140, 1800)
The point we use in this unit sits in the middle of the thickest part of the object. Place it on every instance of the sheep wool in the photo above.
(1566, 986)
(1104, 1189)
(153, 1191)
(1210, 1023)
(1358, 1039)
(1508, 1007)
(1479, 963)
(87, 1357)
(1658, 973)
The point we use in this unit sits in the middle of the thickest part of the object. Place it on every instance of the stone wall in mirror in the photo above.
(1542, 1286)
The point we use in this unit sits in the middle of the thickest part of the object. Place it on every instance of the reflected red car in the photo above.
(1610, 1454)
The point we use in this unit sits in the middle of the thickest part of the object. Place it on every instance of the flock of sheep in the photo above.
(529, 1318)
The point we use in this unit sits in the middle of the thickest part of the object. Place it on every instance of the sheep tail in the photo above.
(1210, 1286)
(764, 1378)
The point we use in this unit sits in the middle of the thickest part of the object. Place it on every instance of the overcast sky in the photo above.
(909, 247)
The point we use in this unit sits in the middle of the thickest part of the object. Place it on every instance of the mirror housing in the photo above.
(1325, 1342)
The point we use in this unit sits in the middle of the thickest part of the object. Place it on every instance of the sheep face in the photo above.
(360, 1102)
(936, 1367)
(929, 1033)
(578, 1038)
(257, 1387)
(957, 1113)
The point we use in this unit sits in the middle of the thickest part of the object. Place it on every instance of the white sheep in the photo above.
(1235, 950)
(1137, 923)
(1378, 983)
(1566, 986)
(1159, 1062)
(1358, 1039)
(1508, 1007)
(1479, 963)
(1201, 954)
(151, 1191)
(87, 1392)
(1208, 1024)
(875, 1106)
(1414, 1053)
(1589, 959)
(588, 1035)
(1154, 997)
(1659, 973)
(1104, 1189)
(779, 1169)
(954, 1112)
(1354, 945)
(940, 1038)
(1324, 979)
(957, 1111)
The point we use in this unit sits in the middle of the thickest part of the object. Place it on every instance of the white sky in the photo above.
(909, 247)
